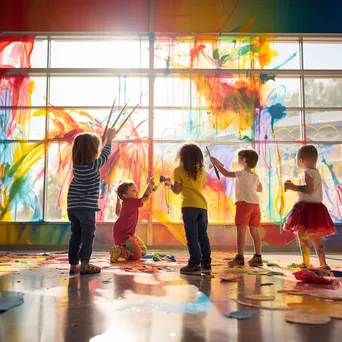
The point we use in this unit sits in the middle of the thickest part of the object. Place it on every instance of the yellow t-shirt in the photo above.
(191, 189)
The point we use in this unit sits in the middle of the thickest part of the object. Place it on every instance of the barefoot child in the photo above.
(130, 246)
(189, 178)
(83, 197)
(309, 217)
(247, 214)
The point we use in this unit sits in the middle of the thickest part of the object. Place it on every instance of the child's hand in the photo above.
(215, 161)
(151, 184)
(111, 134)
(168, 182)
(288, 185)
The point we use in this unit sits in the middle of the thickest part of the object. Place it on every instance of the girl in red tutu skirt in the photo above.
(309, 217)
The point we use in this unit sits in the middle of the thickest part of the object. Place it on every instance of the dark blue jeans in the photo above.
(196, 224)
(82, 235)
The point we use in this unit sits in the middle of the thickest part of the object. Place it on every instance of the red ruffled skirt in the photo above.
(313, 218)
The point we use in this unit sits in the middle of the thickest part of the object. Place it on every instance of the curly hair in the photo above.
(123, 188)
(191, 158)
(251, 157)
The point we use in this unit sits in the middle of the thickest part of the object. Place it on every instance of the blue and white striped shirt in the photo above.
(84, 190)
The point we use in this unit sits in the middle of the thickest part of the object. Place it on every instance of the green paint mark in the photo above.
(225, 58)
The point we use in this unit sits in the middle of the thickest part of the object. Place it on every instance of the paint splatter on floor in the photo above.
(129, 296)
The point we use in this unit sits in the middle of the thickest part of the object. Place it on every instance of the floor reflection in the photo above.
(128, 306)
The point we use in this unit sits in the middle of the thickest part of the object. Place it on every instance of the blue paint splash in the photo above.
(277, 112)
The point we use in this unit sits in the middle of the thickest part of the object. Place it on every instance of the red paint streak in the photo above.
(194, 53)
(229, 16)
(27, 41)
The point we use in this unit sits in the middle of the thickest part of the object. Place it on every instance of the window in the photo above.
(322, 55)
(224, 92)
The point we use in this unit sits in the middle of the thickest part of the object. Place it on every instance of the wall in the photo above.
(275, 16)
(245, 16)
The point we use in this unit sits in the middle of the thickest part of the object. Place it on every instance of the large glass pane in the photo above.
(16, 54)
(39, 54)
(98, 91)
(330, 167)
(214, 52)
(284, 90)
(221, 92)
(288, 128)
(282, 55)
(100, 54)
(172, 91)
(230, 107)
(277, 163)
(189, 125)
(127, 161)
(21, 181)
(322, 55)
(324, 125)
(22, 91)
(58, 180)
(22, 124)
(66, 123)
(323, 92)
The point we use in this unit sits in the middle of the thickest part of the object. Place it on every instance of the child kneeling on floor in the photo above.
(128, 245)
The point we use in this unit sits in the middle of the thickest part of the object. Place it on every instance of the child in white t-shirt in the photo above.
(247, 205)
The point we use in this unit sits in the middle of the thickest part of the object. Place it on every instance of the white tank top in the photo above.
(317, 195)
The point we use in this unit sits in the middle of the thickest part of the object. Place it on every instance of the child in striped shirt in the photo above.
(83, 197)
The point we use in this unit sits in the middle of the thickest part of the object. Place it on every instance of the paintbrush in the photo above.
(108, 121)
(215, 168)
(118, 117)
(128, 116)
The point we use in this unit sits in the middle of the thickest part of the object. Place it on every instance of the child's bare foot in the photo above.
(87, 268)
(115, 253)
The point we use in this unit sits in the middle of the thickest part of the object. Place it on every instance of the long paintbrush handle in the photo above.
(118, 117)
(215, 168)
(208, 151)
(128, 116)
(217, 172)
(108, 121)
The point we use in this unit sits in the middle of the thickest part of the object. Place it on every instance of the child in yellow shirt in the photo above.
(189, 178)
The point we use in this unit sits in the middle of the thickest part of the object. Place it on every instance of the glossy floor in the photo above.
(130, 304)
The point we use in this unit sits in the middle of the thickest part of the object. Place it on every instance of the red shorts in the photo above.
(247, 214)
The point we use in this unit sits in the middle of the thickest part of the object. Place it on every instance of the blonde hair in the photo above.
(85, 148)
(308, 152)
